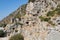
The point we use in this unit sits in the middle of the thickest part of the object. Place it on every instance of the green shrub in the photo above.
(51, 13)
(3, 25)
(50, 22)
(47, 19)
(44, 19)
(17, 37)
(58, 11)
(2, 33)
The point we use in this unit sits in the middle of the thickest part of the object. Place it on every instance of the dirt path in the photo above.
(5, 38)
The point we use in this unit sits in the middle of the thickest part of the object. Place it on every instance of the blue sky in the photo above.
(8, 6)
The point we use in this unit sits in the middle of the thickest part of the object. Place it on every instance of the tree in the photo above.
(2, 33)
(17, 37)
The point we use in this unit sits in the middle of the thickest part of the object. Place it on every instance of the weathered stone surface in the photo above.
(31, 26)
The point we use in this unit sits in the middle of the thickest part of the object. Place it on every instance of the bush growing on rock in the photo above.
(17, 37)
(44, 19)
(2, 33)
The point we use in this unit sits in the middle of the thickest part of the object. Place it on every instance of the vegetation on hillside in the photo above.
(56, 11)
(17, 37)
(18, 13)
(2, 33)
(22, 12)
(47, 19)
(3, 25)
(50, 22)
(23, 9)
(31, 0)
(50, 14)
(44, 18)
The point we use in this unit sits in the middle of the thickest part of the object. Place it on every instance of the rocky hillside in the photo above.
(23, 8)
(7, 19)
(35, 20)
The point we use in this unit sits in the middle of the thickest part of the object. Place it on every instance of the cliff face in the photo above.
(33, 6)
(35, 20)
